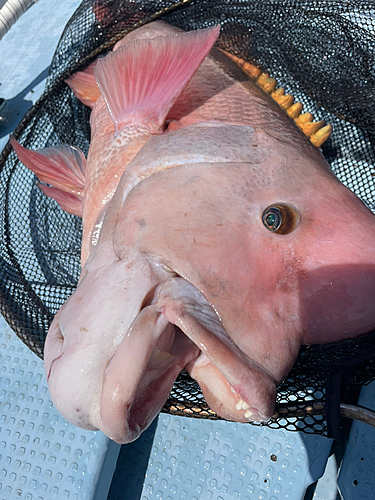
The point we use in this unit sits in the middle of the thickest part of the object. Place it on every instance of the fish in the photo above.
(216, 238)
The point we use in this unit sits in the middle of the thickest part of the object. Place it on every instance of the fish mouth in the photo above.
(141, 373)
(180, 329)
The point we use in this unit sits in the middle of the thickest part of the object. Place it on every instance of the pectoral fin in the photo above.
(67, 201)
(61, 166)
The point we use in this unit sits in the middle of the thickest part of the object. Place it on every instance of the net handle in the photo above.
(360, 413)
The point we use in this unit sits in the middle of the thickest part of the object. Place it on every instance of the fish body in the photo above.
(215, 238)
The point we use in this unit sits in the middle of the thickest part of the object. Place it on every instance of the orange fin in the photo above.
(317, 132)
(61, 166)
(84, 85)
(141, 81)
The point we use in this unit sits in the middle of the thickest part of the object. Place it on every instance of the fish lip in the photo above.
(54, 344)
(184, 305)
(140, 409)
(150, 386)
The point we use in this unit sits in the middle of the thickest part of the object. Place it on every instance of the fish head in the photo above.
(310, 280)
(222, 264)
(311, 246)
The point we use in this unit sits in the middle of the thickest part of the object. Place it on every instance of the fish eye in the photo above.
(281, 218)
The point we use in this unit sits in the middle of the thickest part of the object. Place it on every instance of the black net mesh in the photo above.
(320, 51)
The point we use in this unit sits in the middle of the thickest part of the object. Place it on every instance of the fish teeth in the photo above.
(242, 405)
(239, 405)
(231, 388)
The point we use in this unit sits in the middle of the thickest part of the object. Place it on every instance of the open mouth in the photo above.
(163, 367)
(180, 329)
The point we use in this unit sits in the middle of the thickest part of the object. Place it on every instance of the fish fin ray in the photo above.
(317, 132)
(140, 82)
(61, 166)
(67, 201)
(84, 86)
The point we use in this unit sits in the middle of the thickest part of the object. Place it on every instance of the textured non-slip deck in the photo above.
(41, 455)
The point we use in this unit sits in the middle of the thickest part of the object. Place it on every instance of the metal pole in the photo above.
(10, 11)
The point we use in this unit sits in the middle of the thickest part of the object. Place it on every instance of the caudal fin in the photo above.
(141, 81)
(61, 166)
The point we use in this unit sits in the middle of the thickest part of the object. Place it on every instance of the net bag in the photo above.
(321, 52)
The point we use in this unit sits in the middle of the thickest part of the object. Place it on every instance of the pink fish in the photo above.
(215, 239)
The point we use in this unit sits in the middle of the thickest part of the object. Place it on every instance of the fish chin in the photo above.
(224, 400)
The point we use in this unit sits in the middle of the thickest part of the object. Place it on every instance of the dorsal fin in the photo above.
(317, 132)
(141, 81)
